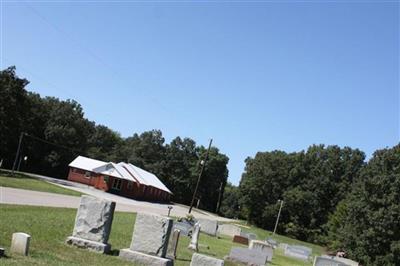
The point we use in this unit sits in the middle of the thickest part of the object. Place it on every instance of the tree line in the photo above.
(57, 132)
(331, 196)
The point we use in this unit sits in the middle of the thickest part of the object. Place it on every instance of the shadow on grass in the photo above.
(114, 252)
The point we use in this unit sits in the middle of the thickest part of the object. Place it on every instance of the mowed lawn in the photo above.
(49, 227)
(22, 181)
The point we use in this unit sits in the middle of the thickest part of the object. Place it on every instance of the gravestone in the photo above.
(298, 252)
(194, 242)
(306, 250)
(173, 244)
(244, 234)
(203, 260)
(262, 246)
(283, 246)
(149, 241)
(185, 228)
(241, 240)
(247, 256)
(251, 236)
(20, 244)
(323, 261)
(229, 230)
(342, 260)
(273, 242)
(93, 224)
(208, 227)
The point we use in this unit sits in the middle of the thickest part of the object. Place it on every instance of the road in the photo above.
(36, 198)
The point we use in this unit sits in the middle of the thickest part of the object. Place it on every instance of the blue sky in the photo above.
(255, 76)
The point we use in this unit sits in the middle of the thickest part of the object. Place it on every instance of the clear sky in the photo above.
(254, 76)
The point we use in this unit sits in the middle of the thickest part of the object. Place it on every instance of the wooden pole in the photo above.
(198, 179)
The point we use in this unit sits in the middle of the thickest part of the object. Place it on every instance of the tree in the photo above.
(146, 151)
(367, 224)
(310, 183)
(104, 144)
(181, 164)
(14, 108)
(230, 202)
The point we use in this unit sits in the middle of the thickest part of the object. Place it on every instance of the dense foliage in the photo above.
(330, 196)
(57, 131)
(310, 183)
(367, 223)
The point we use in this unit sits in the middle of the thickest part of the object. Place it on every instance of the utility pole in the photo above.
(219, 198)
(18, 151)
(198, 179)
(277, 218)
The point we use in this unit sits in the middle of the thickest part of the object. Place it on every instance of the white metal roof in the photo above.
(85, 163)
(121, 170)
(133, 172)
(151, 179)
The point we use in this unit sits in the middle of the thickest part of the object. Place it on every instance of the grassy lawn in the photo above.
(49, 227)
(25, 182)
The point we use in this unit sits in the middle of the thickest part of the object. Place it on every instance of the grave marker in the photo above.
(93, 224)
(20, 244)
(149, 241)
(262, 246)
(173, 244)
(229, 230)
(203, 260)
(298, 252)
(247, 256)
(241, 240)
(324, 261)
(194, 242)
(208, 227)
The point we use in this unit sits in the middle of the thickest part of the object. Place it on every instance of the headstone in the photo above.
(298, 252)
(273, 242)
(244, 234)
(323, 261)
(93, 224)
(173, 244)
(229, 229)
(342, 260)
(194, 242)
(347, 261)
(185, 228)
(241, 240)
(20, 244)
(247, 256)
(149, 241)
(208, 227)
(262, 246)
(283, 246)
(306, 250)
(251, 236)
(203, 260)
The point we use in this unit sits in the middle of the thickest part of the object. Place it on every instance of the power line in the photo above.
(55, 144)
(89, 52)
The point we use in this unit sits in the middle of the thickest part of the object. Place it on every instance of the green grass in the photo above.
(49, 227)
(22, 181)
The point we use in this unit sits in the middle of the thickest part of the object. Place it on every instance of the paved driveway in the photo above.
(36, 198)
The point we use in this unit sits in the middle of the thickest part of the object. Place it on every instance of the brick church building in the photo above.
(123, 179)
